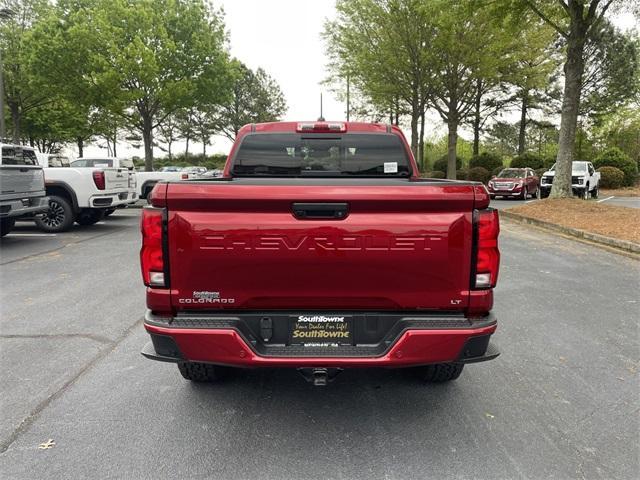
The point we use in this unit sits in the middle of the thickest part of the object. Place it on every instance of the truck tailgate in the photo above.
(116, 178)
(246, 245)
(18, 180)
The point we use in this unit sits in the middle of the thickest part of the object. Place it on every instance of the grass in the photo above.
(612, 221)
(622, 192)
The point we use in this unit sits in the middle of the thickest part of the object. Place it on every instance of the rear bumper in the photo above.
(111, 200)
(20, 207)
(417, 340)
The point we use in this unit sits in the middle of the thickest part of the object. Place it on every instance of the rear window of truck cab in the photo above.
(15, 155)
(321, 155)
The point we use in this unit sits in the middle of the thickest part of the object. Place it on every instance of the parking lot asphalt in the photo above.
(562, 400)
(631, 202)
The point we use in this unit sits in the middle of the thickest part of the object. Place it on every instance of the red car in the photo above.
(515, 182)
(320, 248)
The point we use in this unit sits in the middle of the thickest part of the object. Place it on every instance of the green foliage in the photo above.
(527, 159)
(479, 174)
(487, 160)
(462, 174)
(540, 171)
(548, 161)
(211, 162)
(434, 174)
(256, 97)
(140, 59)
(441, 164)
(611, 177)
(614, 157)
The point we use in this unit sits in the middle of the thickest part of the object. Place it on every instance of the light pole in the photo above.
(4, 14)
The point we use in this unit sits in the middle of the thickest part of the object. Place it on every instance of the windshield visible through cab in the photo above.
(329, 155)
(511, 173)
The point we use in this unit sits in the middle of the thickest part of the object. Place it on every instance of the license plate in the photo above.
(320, 330)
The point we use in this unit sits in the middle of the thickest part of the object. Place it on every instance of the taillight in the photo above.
(152, 252)
(184, 176)
(98, 179)
(487, 253)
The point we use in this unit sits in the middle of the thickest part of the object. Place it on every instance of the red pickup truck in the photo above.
(320, 249)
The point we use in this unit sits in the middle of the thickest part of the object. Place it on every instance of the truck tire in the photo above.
(89, 216)
(202, 372)
(440, 372)
(584, 193)
(59, 217)
(109, 211)
(594, 192)
(6, 225)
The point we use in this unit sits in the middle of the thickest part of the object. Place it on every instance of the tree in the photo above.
(169, 133)
(383, 46)
(458, 63)
(21, 89)
(255, 97)
(140, 59)
(576, 21)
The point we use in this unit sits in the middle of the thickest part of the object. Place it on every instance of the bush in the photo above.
(435, 174)
(527, 159)
(548, 161)
(614, 157)
(479, 174)
(486, 160)
(540, 171)
(462, 174)
(442, 162)
(611, 177)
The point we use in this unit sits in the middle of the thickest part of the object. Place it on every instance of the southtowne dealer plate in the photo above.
(321, 330)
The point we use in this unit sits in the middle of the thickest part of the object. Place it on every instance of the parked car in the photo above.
(81, 195)
(320, 249)
(22, 190)
(515, 182)
(195, 170)
(113, 162)
(585, 181)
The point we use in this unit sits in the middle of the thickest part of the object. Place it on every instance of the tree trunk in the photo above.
(476, 119)
(186, 149)
(80, 142)
(573, 70)
(523, 122)
(115, 142)
(204, 147)
(415, 118)
(16, 119)
(421, 142)
(169, 143)
(147, 138)
(452, 149)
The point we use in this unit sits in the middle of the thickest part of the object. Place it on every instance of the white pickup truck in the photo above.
(145, 181)
(585, 181)
(80, 195)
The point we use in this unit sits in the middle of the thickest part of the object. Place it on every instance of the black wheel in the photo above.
(58, 218)
(594, 192)
(6, 225)
(544, 193)
(523, 194)
(536, 193)
(440, 372)
(203, 372)
(109, 211)
(89, 216)
(492, 196)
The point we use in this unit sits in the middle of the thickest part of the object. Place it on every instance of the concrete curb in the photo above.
(624, 245)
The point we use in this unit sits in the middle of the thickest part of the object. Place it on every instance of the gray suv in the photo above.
(22, 189)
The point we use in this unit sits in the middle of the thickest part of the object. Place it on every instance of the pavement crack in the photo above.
(35, 413)
(88, 336)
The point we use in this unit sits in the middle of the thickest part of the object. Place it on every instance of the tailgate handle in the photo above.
(320, 211)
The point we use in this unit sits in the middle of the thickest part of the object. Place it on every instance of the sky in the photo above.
(284, 38)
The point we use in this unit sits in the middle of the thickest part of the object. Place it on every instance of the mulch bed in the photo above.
(610, 220)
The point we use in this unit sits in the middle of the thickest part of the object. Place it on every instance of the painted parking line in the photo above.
(605, 199)
(32, 235)
(533, 200)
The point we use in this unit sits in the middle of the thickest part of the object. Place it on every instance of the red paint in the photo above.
(226, 346)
